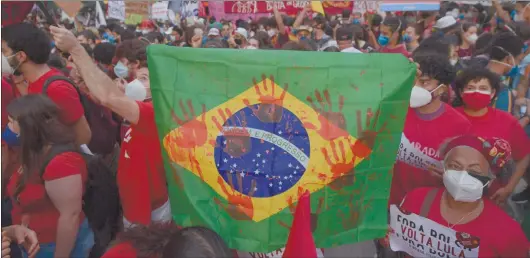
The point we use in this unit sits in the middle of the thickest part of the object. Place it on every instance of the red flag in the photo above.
(15, 11)
(300, 243)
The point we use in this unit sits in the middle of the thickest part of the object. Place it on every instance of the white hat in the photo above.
(445, 22)
(242, 32)
(213, 32)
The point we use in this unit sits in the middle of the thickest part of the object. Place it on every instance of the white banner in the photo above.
(365, 5)
(274, 254)
(416, 155)
(189, 9)
(422, 237)
(159, 10)
(116, 10)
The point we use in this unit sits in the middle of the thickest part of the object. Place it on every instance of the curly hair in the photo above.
(475, 74)
(134, 50)
(437, 67)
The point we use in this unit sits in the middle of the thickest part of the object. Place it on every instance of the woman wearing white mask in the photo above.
(476, 89)
(481, 228)
(428, 123)
(468, 37)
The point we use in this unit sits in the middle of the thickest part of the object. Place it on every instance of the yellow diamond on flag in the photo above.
(260, 149)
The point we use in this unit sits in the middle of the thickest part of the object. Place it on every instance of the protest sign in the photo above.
(69, 7)
(116, 10)
(409, 5)
(15, 11)
(417, 155)
(422, 237)
(189, 9)
(135, 12)
(159, 10)
(244, 133)
(363, 6)
(288, 7)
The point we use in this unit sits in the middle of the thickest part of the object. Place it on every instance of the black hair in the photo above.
(433, 44)
(437, 67)
(154, 37)
(467, 25)
(520, 28)
(196, 242)
(377, 19)
(332, 49)
(29, 39)
(483, 44)
(505, 43)
(271, 22)
(89, 35)
(178, 30)
(396, 25)
(297, 46)
(474, 74)
(346, 13)
(102, 29)
(56, 61)
(104, 52)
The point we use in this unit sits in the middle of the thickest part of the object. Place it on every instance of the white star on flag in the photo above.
(256, 171)
(225, 160)
(242, 174)
(258, 155)
(235, 165)
(290, 165)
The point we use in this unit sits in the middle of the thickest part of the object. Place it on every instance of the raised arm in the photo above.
(98, 83)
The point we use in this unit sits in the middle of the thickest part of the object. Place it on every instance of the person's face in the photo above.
(15, 59)
(303, 34)
(13, 125)
(142, 74)
(431, 85)
(343, 44)
(387, 32)
(176, 35)
(225, 31)
(254, 43)
(479, 85)
(412, 33)
(470, 31)
(465, 158)
(133, 66)
(82, 39)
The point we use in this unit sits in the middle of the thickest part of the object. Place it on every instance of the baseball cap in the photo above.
(445, 22)
(213, 32)
(304, 28)
(344, 33)
(242, 32)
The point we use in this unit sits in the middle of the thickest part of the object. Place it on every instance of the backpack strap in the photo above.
(54, 78)
(53, 152)
(427, 202)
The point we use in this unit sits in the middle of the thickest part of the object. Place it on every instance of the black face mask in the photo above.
(238, 41)
(484, 180)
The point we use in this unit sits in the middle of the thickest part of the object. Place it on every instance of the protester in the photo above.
(20, 235)
(141, 175)
(390, 39)
(476, 88)
(412, 37)
(468, 37)
(428, 123)
(27, 49)
(87, 37)
(461, 204)
(47, 197)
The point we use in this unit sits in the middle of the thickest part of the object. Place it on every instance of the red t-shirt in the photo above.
(121, 250)
(464, 52)
(34, 203)
(420, 141)
(499, 234)
(399, 49)
(500, 124)
(63, 94)
(141, 176)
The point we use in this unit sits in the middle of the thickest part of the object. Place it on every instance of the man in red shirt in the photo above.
(428, 124)
(141, 176)
(27, 49)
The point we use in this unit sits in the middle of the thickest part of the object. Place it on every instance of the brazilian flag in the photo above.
(245, 132)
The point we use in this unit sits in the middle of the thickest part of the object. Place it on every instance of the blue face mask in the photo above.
(303, 38)
(461, 16)
(513, 72)
(383, 40)
(10, 138)
(407, 38)
(121, 70)
(356, 21)
(52, 44)
(525, 47)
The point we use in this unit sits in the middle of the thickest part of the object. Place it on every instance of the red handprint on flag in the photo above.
(292, 209)
(270, 109)
(239, 205)
(366, 136)
(237, 136)
(192, 132)
(332, 123)
(341, 167)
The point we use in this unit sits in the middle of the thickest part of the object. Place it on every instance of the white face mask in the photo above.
(420, 97)
(453, 61)
(462, 186)
(271, 32)
(6, 68)
(173, 38)
(472, 38)
(136, 90)
(145, 31)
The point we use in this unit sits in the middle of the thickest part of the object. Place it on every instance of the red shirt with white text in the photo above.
(141, 176)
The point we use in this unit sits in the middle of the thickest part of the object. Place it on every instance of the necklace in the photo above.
(445, 208)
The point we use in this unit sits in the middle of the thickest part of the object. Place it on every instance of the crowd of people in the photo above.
(65, 87)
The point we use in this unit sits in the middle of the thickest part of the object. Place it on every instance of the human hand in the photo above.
(501, 195)
(64, 39)
(196, 41)
(23, 236)
(6, 251)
